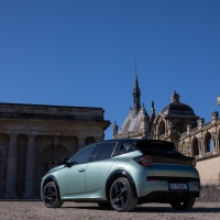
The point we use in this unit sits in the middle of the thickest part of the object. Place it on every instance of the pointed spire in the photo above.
(135, 68)
(115, 128)
(136, 91)
(152, 110)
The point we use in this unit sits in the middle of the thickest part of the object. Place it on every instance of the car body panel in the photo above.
(96, 175)
(173, 170)
(71, 181)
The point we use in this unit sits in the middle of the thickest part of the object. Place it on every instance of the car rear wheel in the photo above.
(184, 204)
(121, 195)
(50, 196)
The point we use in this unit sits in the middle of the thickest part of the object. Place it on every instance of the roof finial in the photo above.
(135, 68)
(175, 97)
(152, 104)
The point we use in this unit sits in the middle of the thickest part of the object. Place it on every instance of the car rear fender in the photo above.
(116, 174)
(49, 179)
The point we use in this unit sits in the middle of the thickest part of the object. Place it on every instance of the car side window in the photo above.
(105, 150)
(83, 155)
(124, 148)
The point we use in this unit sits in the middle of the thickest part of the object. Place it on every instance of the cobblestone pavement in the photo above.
(22, 210)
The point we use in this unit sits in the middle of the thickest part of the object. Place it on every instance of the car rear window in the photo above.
(124, 148)
(157, 147)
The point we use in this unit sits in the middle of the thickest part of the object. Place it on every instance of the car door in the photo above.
(98, 170)
(72, 178)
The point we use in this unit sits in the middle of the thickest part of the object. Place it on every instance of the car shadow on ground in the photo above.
(170, 209)
(143, 209)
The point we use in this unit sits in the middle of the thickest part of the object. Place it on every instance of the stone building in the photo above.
(178, 123)
(175, 119)
(138, 123)
(34, 138)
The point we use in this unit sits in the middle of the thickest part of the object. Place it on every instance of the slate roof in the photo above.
(133, 121)
(178, 108)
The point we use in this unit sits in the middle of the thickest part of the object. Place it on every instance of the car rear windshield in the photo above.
(157, 147)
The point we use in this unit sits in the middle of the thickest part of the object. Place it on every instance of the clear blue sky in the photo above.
(82, 53)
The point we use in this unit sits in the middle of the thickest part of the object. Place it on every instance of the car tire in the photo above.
(121, 195)
(51, 196)
(184, 204)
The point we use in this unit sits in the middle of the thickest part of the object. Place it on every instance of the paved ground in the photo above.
(23, 210)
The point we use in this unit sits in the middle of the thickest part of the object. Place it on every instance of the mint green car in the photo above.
(122, 174)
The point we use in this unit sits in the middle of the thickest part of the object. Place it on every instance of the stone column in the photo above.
(81, 142)
(30, 168)
(191, 149)
(214, 117)
(201, 148)
(11, 167)
(214, 145)
(201, 122)
(218, 143)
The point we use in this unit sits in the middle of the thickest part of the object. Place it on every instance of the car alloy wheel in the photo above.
(183, 205)
(121, 195)
(50, 196)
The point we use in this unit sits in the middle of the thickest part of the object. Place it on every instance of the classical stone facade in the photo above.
(34, 138)
(178, 123)
(203, 142)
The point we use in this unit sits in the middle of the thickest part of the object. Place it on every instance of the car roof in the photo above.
(137, 140)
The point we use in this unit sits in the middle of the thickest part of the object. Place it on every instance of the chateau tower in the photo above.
(138, 124)
(136, 95)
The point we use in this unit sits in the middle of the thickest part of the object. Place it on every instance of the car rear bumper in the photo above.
(158, 188)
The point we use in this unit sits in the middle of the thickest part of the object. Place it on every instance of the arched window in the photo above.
(181, 126)
(195, 147)
(208, 143)
(161, 128)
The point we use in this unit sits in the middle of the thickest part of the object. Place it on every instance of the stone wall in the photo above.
(209, 170)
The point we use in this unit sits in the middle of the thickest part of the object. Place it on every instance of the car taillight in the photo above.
(193, 163)
(146, 160)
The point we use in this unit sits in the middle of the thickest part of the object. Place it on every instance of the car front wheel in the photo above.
(183, 205)
(50, 196)
(121, 195)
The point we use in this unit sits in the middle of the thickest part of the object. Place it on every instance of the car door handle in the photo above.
(81, 170)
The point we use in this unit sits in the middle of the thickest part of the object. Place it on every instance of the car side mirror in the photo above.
(65, 161)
